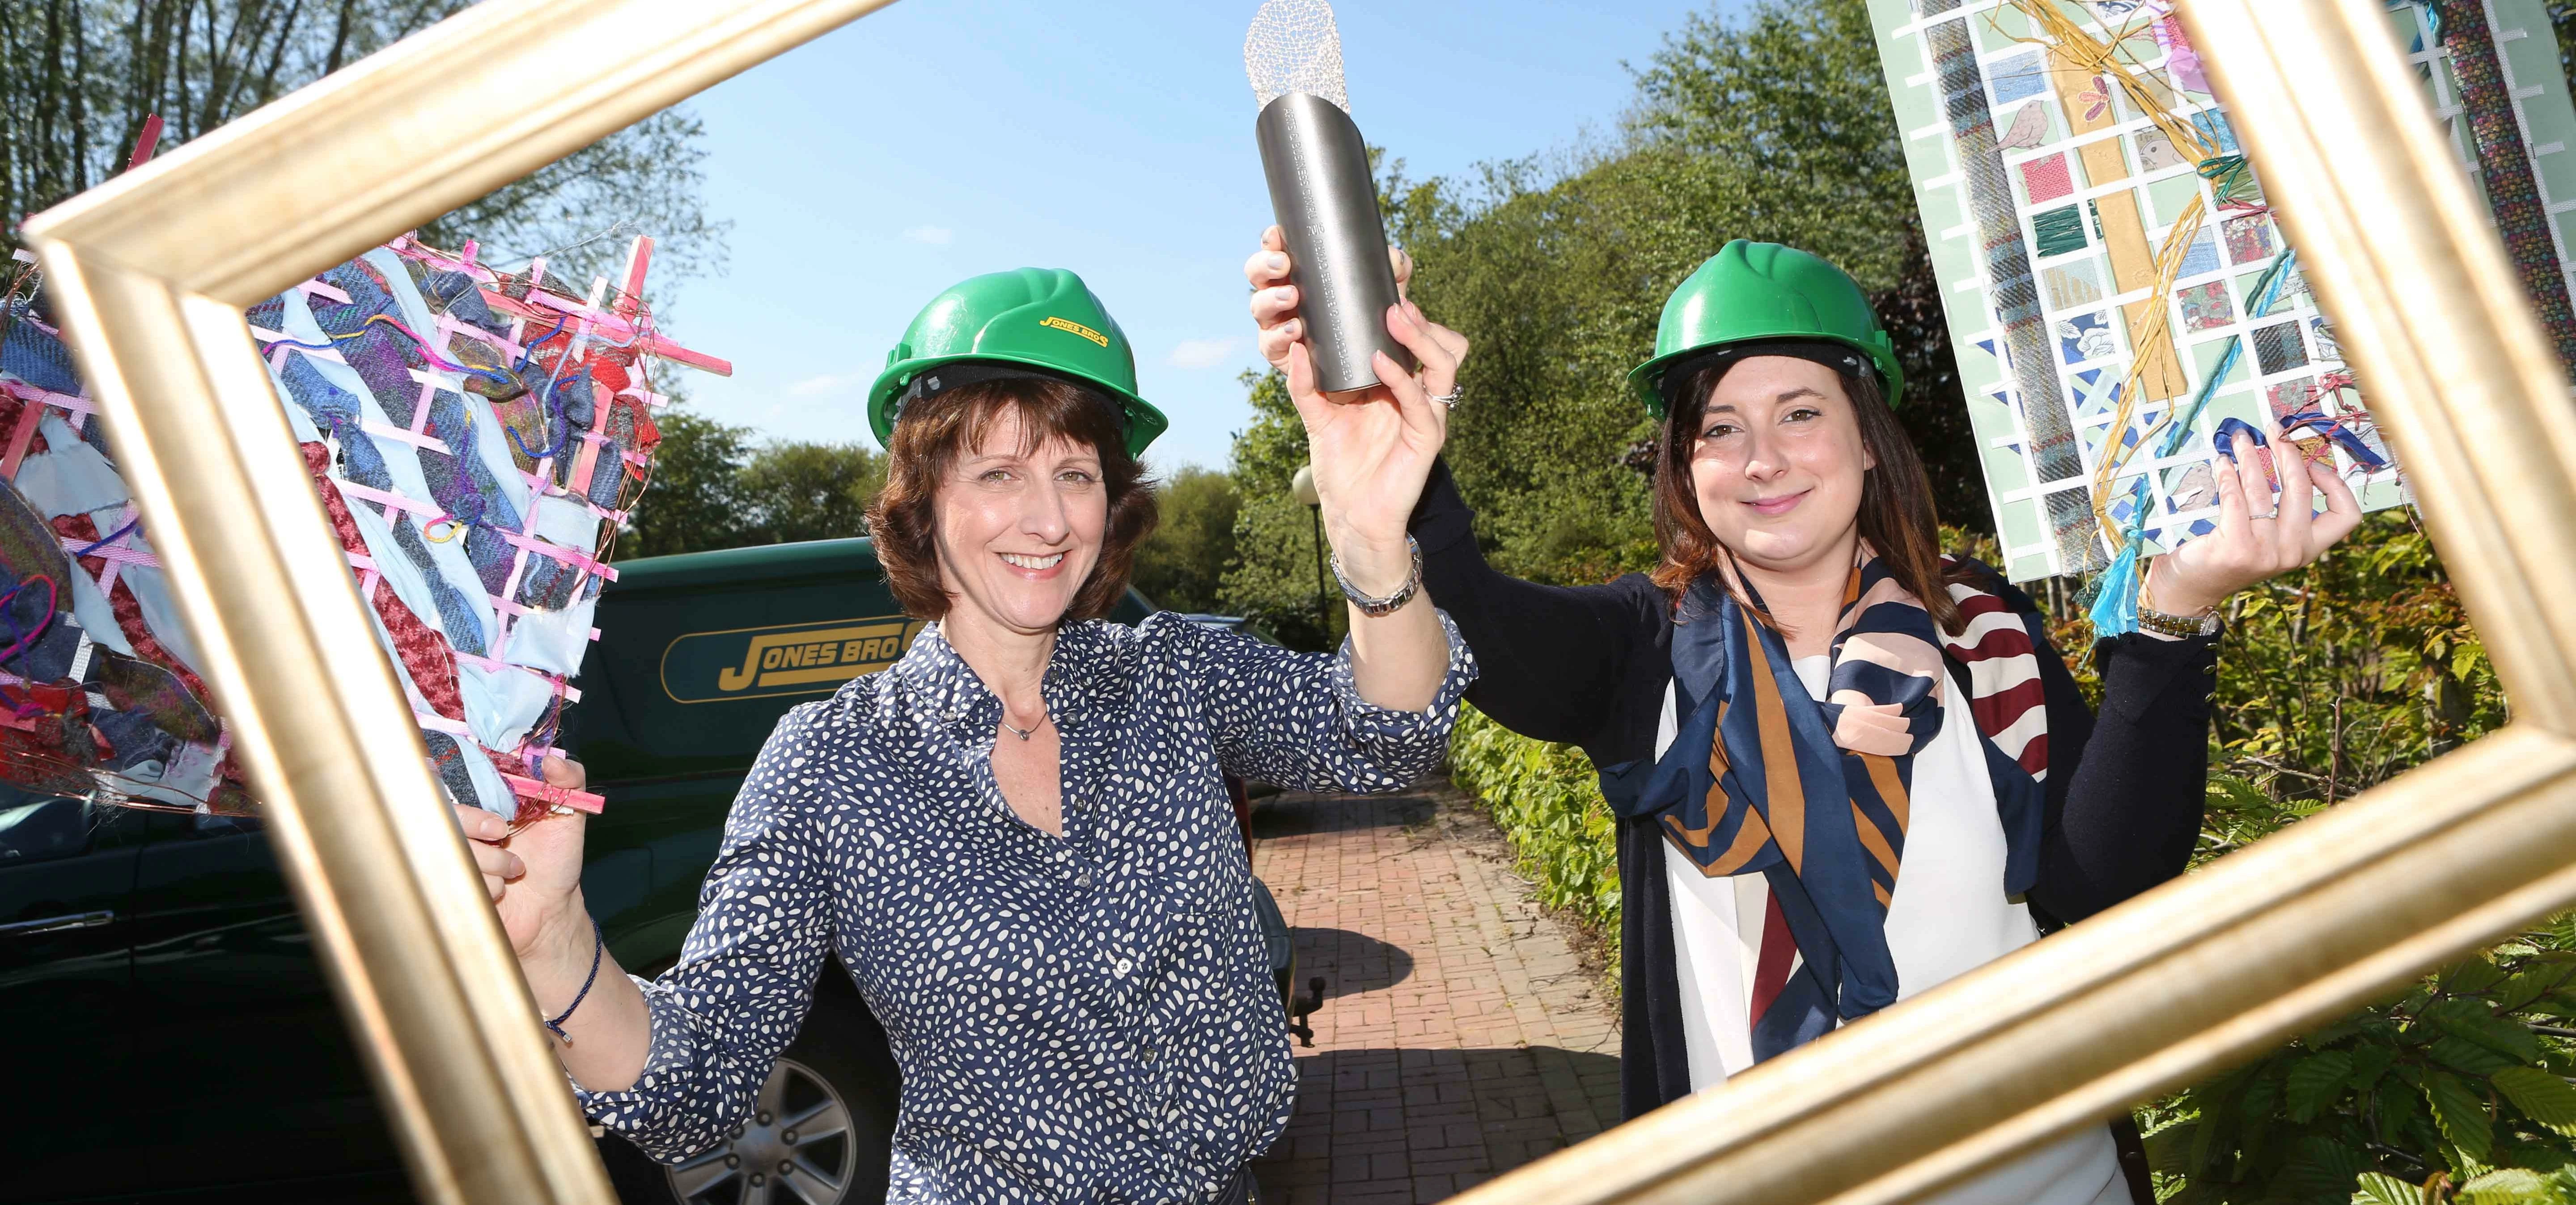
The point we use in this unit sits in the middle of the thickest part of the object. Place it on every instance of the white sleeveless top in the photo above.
(1948, 915)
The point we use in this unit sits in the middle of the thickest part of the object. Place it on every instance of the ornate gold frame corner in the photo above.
(150, 274)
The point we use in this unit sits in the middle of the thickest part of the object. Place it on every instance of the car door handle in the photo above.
(58, 924)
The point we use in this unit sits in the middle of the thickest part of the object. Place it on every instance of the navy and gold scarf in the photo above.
(1814, 797)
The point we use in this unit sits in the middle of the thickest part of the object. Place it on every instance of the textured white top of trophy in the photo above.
(1294, 47)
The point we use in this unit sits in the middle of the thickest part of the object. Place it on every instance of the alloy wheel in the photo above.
(794, 1150)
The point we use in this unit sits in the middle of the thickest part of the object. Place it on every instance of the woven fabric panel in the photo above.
(2170, 300)
(477, 440)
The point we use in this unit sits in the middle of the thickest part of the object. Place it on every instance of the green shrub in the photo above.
(2452, 1092)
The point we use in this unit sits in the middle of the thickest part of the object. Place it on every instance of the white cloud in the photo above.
(936, 236)
(830, 383)
(1203, 353)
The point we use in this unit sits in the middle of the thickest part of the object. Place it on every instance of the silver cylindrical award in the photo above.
(1321, 192)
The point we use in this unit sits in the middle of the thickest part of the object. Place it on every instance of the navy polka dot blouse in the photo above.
(1087, 1018)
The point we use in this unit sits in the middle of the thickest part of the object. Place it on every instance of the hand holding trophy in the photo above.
(1329, 296)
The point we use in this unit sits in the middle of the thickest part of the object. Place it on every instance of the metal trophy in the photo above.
(1321, 192)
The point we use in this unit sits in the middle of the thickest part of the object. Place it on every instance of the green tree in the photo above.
(79, 77)
(713, 487)
(695, 500)
(1273, 577)
(1182, 565)
(810, 491)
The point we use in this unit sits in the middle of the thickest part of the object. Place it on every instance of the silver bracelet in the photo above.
(1376, 608)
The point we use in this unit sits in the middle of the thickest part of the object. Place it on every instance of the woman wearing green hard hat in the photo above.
(1806, 695)
(1017, 839)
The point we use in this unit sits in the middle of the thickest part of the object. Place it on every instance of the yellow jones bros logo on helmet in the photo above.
(1071, 326)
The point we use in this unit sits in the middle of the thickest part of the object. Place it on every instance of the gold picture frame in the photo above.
(151, 273)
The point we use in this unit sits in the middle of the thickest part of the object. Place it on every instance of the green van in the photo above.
(173, 1035)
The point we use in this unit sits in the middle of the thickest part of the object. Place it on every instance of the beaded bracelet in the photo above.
(1376, 608)
(598, 947)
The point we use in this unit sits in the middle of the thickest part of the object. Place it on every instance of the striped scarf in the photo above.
(1814, 796)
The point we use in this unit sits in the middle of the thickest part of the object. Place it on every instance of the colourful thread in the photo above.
(20, 641)
(428, 350)
(2115, 602)
(110, 538)
(553, 413)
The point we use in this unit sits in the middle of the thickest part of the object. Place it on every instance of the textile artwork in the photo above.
(1761, 778)
(2151, 236)
(2482, 87)
(477, 440)
(2002, 248)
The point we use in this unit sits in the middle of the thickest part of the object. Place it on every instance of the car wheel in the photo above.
(820, 1132)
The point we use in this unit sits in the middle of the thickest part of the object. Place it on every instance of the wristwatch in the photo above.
(2204, 624)
(2165, 623)
(1376, 608)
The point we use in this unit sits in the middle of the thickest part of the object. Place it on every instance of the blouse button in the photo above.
(1123, 966)
(1082, 878)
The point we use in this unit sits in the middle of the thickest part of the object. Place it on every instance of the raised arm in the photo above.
(1549, 657)
(2125, 813)
(1371, 450)
(2125, 793)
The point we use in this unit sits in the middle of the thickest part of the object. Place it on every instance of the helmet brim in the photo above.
(1646, 381)
(1145, 423)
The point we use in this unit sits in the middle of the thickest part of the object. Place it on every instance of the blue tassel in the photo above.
(2115, 610)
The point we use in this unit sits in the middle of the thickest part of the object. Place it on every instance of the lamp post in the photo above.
(1303, 486)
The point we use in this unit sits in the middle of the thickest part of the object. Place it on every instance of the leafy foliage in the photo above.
(1274, 577)
(2452, 1092)
(810, 491)
(694, 501)
(714, 488)
(2342, 676)
(1182, 565)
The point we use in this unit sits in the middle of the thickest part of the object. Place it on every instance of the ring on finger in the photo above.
(2273, 513)
(1456, 394)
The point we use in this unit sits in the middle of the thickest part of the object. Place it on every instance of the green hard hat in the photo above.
(1750, 292)
(1039, 318)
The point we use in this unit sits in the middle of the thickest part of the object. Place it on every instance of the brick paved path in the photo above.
(1460, 1037)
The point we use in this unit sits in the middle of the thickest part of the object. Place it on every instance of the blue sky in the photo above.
(938, 139)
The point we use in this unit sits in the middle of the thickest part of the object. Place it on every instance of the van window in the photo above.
(41, 828)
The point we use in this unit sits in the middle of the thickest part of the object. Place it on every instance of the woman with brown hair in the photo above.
(1017, 838)
(1805, 696)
